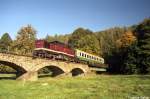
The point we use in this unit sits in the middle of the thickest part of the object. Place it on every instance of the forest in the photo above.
(126, 50)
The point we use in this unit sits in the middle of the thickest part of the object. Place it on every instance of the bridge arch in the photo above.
(54, 69)
(77, 71)
(20, 70)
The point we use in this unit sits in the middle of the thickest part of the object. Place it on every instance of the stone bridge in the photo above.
(27, 67)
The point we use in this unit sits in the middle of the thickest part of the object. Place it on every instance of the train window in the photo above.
(83, 54)
(80, 53)
(101, 60)
(87, 56)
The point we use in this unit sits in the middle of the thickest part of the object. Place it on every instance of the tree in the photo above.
(76, 36)
(107, 40)
(118, 59)
(114, 45)
(61, 38)
(84, 40)
(126, 40)
(49, 38)
(5, 42)
(130, 63)
(143, 33)
(24, 44)
(137, 58)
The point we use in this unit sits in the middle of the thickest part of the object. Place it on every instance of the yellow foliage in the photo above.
(126, 40)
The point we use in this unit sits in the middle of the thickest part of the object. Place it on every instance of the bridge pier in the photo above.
(29, 76)
(68, 74)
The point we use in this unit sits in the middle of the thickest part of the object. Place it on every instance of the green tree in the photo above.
(61, 38)
(25, 41)
(76, 36)
(84, 40)
(130, 63)
(5, 42)
(49, 38)
(143, 33)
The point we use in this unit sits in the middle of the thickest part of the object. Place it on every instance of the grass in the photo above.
(91, 87)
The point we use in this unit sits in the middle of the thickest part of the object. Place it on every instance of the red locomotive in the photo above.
(53, 50)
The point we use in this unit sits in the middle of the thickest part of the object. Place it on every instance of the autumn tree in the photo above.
(126, 40)
(118, 60)
(107, 40)
(24, 43)
(114, 44)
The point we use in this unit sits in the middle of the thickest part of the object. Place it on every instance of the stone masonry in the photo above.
(28, 66)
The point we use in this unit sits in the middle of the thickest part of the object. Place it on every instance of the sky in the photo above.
(64, 16)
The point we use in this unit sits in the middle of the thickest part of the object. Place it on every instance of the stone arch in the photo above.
(77, 71)
(20, 70)
(56, 71)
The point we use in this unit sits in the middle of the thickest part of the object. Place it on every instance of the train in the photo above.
(56, 50)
